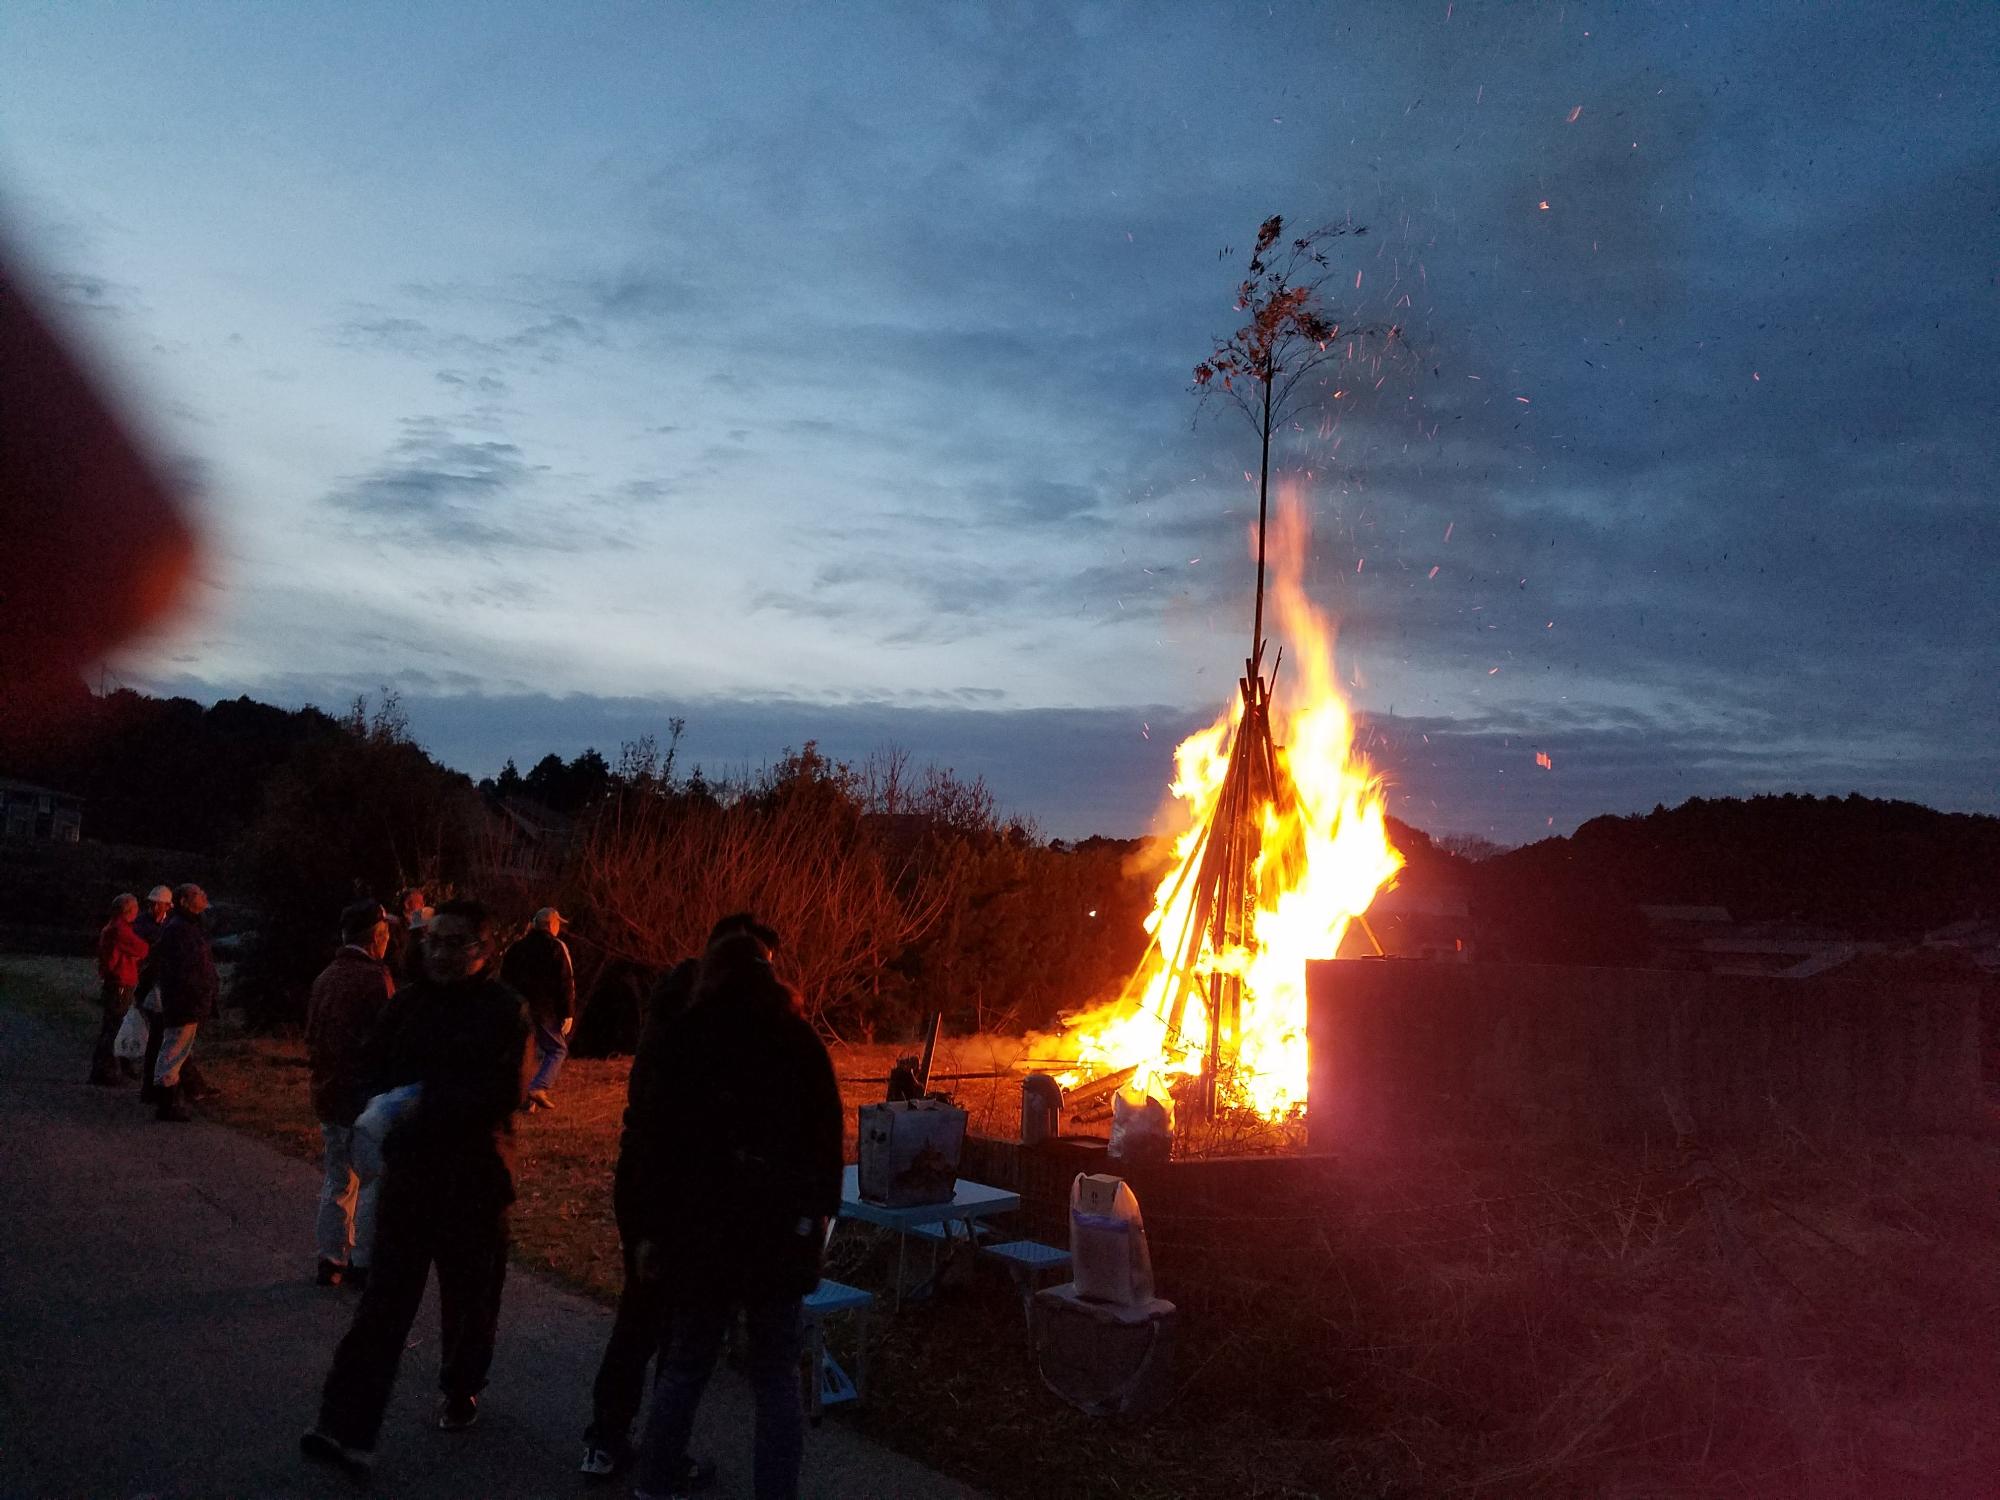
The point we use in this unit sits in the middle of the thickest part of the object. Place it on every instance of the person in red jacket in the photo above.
(120, 951)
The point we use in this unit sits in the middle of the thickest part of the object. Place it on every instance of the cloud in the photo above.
(473, 383)
(94, 294)
(1704, 446)
(436, 485)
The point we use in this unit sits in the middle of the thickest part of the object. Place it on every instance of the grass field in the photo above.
(1472, 1318)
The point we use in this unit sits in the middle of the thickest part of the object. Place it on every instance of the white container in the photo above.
(1107, 1242)
(909, 1152)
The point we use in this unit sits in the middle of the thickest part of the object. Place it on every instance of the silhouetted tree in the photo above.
(1263, 367)
(363, 809)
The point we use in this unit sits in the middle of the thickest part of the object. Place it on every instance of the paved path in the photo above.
(160, 1335)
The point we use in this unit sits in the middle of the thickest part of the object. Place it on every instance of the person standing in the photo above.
(539, 967)
(745, 1120)
(346, 1002)
(150, 924)
(184, 970)
(447, 1182)
(639, 1328)
(406, 935)
(120, 951)
(153, 920)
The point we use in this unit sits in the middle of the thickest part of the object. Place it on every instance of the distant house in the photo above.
(529, 839)
(1409, 923)
(1707, 938)
(31, 814)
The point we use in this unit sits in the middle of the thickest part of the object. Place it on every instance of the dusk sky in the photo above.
(822, 372)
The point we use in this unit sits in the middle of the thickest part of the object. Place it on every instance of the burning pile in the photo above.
(1286, 844)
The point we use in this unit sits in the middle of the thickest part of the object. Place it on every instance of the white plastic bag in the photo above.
(131, 1042)
(1107, 1242)
(378, 1122)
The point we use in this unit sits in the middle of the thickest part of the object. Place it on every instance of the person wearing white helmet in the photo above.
(159, 906)
(148, 925)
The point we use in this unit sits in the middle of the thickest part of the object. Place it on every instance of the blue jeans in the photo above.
(176, 1044)
(551, 1047)
(776, 1328)
(345, 1227)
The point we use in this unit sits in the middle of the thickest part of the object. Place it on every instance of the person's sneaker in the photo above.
(323, 1447)
(539, 1099)
(331, 1273)
(456, 1413)
(173, 1107)
(601, 1461)
(696, 1474)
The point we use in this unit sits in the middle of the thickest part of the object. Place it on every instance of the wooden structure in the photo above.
(1405, 1051)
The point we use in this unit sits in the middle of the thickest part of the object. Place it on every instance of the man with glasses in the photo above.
(460, 1037)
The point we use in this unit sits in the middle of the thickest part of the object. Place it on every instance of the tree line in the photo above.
(901, 889)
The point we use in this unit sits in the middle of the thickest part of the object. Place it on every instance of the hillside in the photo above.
(1886, 871)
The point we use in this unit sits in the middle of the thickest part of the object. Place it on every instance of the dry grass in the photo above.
(1480, 1318)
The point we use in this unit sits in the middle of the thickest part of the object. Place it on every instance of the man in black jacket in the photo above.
(738, 1177)
(447, 1181)
(639, 1329)
(184, 970)
(539, 967)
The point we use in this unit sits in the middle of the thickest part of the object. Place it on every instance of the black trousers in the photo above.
(421, 1220)
(152, 1058)
(116, 999)
(638, 1333)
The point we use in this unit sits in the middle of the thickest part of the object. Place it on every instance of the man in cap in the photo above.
(346, 1003)
(153, 920)
(149, 924)
(184, 970)
(539, 967)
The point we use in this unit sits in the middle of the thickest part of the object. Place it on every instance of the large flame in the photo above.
(1323, 860)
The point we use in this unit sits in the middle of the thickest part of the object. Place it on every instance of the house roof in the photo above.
(9, 784)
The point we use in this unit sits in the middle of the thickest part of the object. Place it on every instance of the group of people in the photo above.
(157, 959)
(731, 1105)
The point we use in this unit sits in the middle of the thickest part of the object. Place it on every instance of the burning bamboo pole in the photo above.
(1222, 913)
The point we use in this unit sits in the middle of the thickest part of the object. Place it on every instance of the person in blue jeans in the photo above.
(539, 968)
(741, 1150)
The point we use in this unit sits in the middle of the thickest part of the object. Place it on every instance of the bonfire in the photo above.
(1284, 847)
(1285, 842)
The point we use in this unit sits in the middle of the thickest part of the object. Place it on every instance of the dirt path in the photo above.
(164, 1339)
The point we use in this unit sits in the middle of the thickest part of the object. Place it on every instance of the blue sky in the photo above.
(821, 371)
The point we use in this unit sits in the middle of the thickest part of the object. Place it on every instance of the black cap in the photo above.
(360, 917)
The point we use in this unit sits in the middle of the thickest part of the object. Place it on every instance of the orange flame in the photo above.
(1322, 861)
